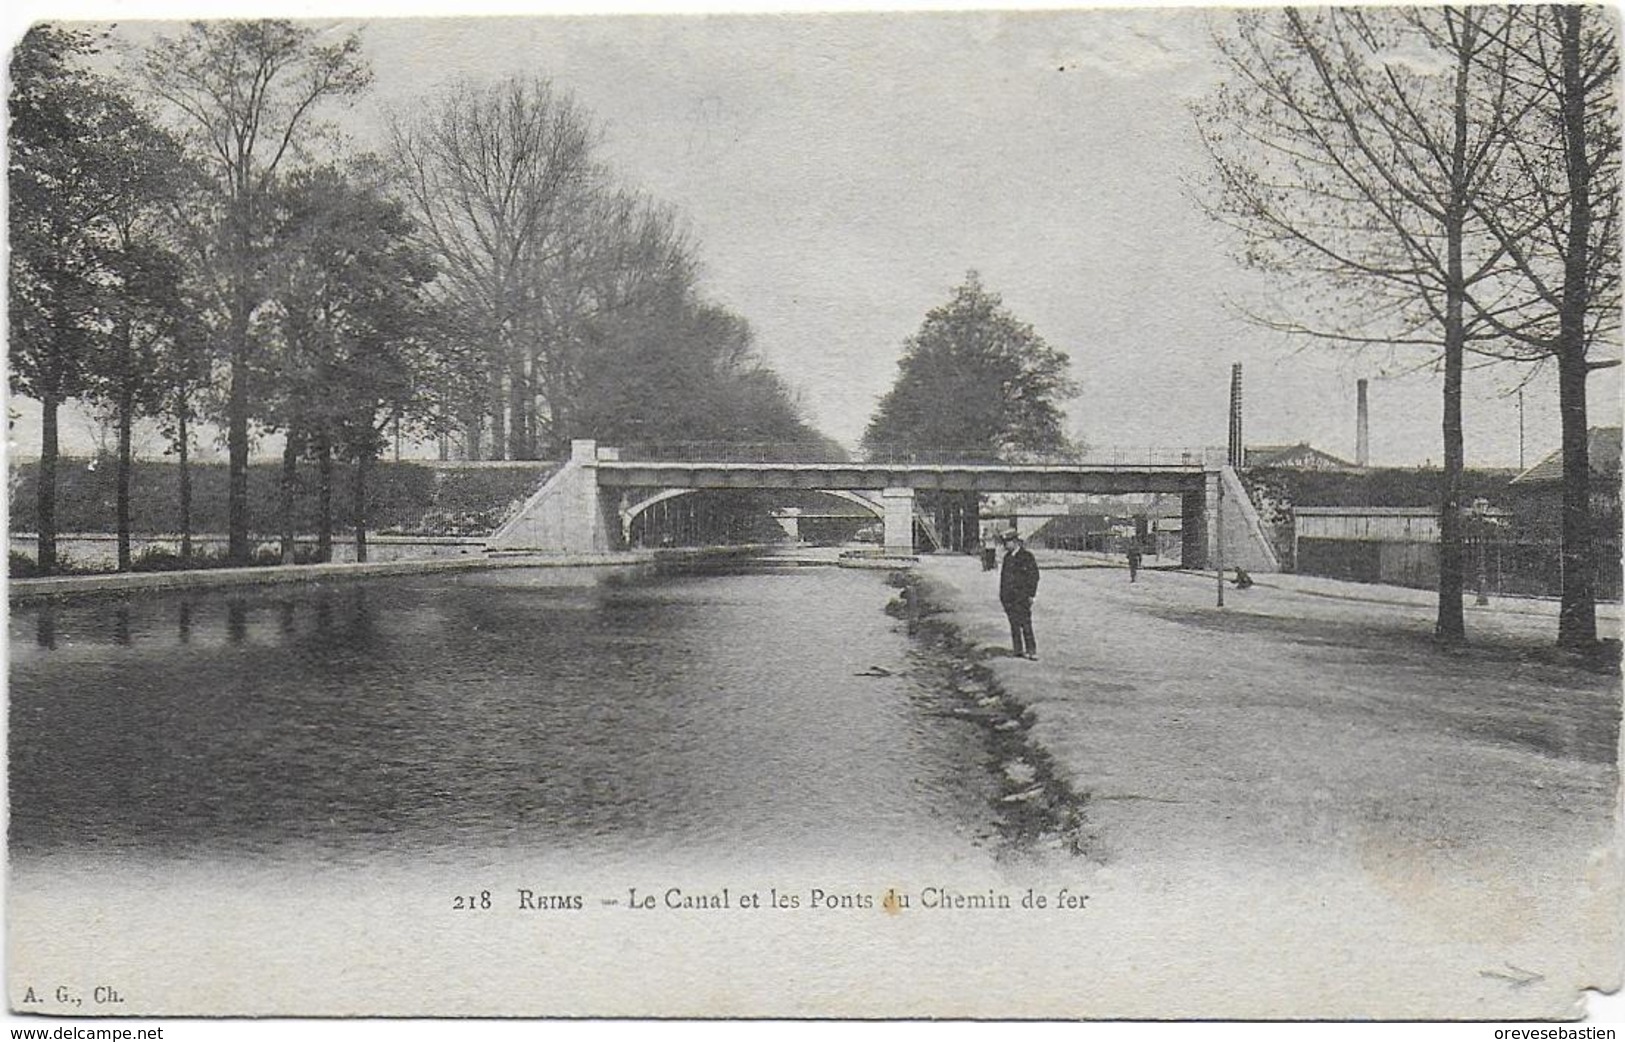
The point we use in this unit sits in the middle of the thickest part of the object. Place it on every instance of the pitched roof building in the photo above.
(1602, 448)
(1301, 456)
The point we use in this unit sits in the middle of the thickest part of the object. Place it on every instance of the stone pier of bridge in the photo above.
(898, 524)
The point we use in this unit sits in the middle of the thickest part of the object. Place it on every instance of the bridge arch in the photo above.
(877, 509)
(628, 514)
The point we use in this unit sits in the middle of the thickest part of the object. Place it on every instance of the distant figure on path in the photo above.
(1018, 585)
(1133, 561)
(990, 552)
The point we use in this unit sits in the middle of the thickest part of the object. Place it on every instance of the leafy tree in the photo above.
(140, 300)
(669, 367)
(181, 373)
(54, 188)
(247, 94)
(974, 379)
(355, 343)
(182, 361)
(84, 164)
(145, 311)
(301, 336)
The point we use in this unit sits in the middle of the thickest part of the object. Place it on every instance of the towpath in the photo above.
(1303, 780)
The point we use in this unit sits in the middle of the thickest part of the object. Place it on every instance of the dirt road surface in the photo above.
(1299, 805)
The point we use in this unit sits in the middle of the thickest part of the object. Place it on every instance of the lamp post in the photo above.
(1481, 513)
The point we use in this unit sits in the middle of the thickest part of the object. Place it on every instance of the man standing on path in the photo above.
(1018, 585)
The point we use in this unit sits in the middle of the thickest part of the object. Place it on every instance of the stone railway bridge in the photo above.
(590, 503)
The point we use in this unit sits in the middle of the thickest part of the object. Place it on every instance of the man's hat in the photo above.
(1009, 534)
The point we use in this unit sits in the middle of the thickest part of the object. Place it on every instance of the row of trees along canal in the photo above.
(1445, 178)
(190, 241)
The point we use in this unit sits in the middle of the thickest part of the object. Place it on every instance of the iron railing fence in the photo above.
(1534, 567)
(1499, 566)
(819, 452)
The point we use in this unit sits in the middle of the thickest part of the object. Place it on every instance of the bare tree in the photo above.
(493, 176)
(247, 94)
(1352, 149)
(626, 254)
(1554, 208)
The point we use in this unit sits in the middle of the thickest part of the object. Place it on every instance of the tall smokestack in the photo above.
(1236, 453)
(1362, 430)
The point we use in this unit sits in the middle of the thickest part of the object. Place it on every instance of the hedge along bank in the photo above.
(403, 497)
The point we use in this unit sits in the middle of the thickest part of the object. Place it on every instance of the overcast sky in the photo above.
(841, 173)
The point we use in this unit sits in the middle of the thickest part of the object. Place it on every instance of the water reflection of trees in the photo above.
(321, 618)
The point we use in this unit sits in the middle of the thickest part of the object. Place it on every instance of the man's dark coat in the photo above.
(1018, 578)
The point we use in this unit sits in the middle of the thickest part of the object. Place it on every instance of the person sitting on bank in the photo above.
(1018, 585)
(1243, 580)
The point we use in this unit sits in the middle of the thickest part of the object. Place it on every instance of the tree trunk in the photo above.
(186, 482)
(518, 432)
(324, 500)
(126, 462)
(557, 423)
(46, 508)
(286, 490)
(533, 432)
(1450, 626)
(497, 413)
(1577, 615)
(358, 502)
(237, 438)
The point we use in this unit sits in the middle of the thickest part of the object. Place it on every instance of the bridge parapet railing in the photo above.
(821, 452)
(1107, 456)
(733, 452)
(1155, 456)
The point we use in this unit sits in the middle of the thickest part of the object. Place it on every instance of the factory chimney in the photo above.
(1236, 454)
(1362, 430)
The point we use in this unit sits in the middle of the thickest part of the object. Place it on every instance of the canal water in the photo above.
(529, 792)
(560, 717)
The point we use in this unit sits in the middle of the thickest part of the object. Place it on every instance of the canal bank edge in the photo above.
(1037, 808)
(24, 591)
